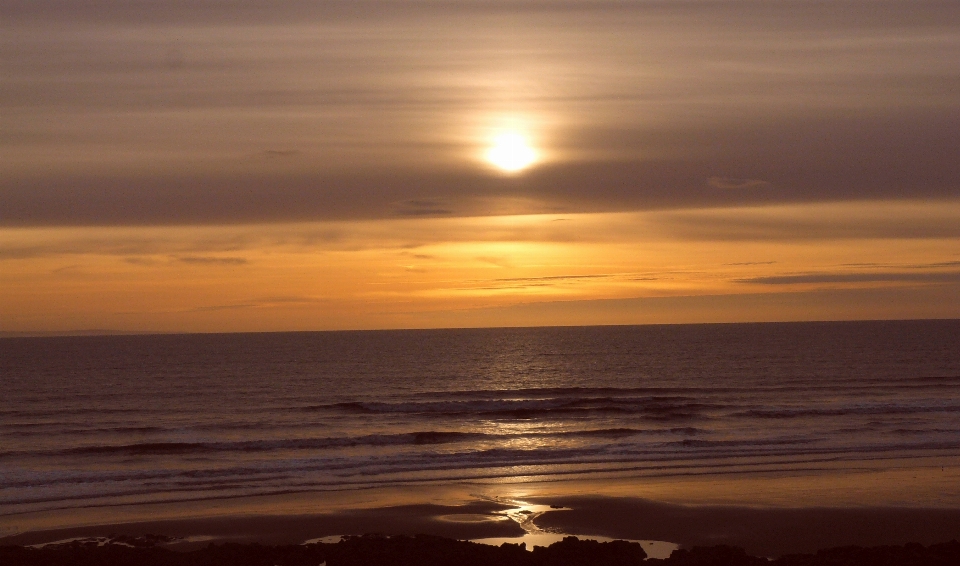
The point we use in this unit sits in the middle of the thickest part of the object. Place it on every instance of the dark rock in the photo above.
(720, 555)
(423, 550)
(574, 552)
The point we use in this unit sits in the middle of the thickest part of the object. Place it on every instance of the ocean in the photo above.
(115, 420)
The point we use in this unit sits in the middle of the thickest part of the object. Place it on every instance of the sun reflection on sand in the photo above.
(524, 514)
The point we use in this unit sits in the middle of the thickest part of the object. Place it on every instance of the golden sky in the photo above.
(232, 166)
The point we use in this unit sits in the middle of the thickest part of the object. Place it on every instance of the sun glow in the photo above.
(511, 152)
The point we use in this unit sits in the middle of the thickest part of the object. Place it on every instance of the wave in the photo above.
(47, 429)
(886, 409)
(411, 438)
(653, 408)
(923, 431)
(698, 443)
(534, 393)
(336, 472)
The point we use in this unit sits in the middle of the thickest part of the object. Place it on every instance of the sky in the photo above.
(214, 165)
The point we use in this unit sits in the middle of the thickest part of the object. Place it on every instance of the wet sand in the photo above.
(478, 519)
(767, 532)
(767, 514)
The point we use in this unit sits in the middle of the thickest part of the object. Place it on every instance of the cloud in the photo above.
(736, 183)
(549, 281)
(868, 171)
(932, 265)
(215, 308)
(897, 277)
(939, 264)
(388, 104)
(497, 261)
(262, 302)
(274, 153)
(413, 236)
(505, 283)
(550, 278)
(422, 207)
(147, 245)
(165, 12)
(212, 260)
(894, 303)
(816, 221)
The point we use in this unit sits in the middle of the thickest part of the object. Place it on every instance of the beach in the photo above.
(540, 514)
(712, 532)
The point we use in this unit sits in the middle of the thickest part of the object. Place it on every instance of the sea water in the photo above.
(112, 420)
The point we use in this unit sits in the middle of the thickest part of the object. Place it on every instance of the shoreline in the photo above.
(769, 532)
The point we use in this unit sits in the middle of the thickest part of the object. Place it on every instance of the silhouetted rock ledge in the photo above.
(424, 550)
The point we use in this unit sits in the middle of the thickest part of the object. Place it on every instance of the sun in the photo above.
(511, 152)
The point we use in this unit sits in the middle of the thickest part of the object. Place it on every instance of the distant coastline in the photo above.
(67, 333)
(114, 332)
